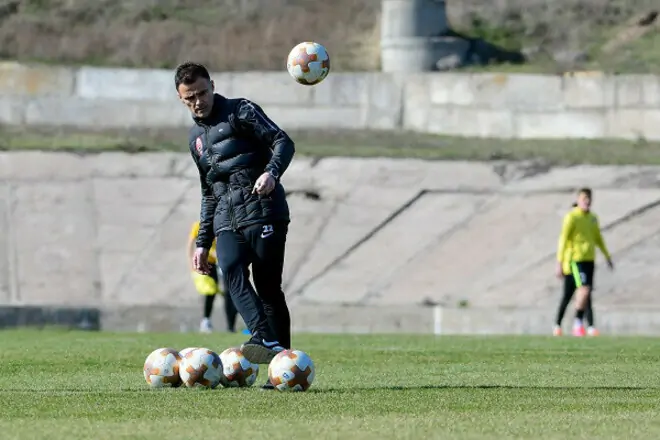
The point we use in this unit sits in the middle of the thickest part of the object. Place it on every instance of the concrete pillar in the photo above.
(409, 35)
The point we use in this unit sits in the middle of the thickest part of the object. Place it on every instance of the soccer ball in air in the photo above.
(308, 63)
(201, 368)
(291, 370)
(161, 368)
(237, 371)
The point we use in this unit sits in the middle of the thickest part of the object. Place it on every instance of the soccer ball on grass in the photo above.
(201, 368)
(161, 368)
(291, 370)
(308, 63)
(185, 351)
(237, 371)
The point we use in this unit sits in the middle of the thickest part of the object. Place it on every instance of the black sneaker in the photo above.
(268, 386)
(259, 351)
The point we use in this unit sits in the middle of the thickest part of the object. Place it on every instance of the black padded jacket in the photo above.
(232, 147)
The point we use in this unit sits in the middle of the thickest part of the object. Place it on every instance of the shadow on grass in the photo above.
(64, 392)
(480, 387)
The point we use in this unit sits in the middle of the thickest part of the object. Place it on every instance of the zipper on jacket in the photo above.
(206, 141)
(232, 220)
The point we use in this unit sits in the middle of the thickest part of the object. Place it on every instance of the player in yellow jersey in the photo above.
(210, 285)
(581, 233)
(568, 290)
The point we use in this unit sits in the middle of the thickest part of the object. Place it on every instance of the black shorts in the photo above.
(583, 273)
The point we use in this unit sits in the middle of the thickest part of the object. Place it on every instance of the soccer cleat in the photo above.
(205, 326)
(578, 331)
(591, 331)
(556, 331)
(259, 351)
(268, 385)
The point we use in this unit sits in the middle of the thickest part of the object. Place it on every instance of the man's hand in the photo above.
(610, 264)
(200, 261)
(265, 184)
(559, 271)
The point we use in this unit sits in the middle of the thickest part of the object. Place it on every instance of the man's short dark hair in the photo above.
(585, 191)
(187, 73)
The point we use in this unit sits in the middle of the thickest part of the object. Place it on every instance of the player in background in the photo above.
(210, 285)
(568, 290)
(581, 234)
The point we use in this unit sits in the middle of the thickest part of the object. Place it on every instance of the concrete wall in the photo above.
(481, 105)
(107, 232)
(383, 240)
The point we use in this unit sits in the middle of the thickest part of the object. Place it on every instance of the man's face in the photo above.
(198, 97)
(584, 201)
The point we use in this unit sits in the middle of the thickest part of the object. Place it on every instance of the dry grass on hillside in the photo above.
(225, 34)
(237, 35)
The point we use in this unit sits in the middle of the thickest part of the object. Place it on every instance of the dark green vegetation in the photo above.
(618, 36)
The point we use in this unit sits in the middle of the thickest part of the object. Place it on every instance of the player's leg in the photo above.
(206, 326)
(234, 255)
(230, 309)
(230, 313)
(589, 316)
(268, 243)
(580, 298)
(582, 275)
(568, 289)
(267, 267)
(589, 312)
(207, 287)
(209, 300)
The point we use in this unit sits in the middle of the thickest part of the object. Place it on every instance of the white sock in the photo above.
(578, 323)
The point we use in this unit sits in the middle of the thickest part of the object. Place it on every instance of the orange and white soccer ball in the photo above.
(201, 368)
(161, 368)
(187, 350)
(308, 63)
(237, 371)
(291, 370)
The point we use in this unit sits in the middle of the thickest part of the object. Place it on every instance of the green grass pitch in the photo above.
(71, 385)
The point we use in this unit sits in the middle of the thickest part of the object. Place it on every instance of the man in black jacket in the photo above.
(241, 154)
